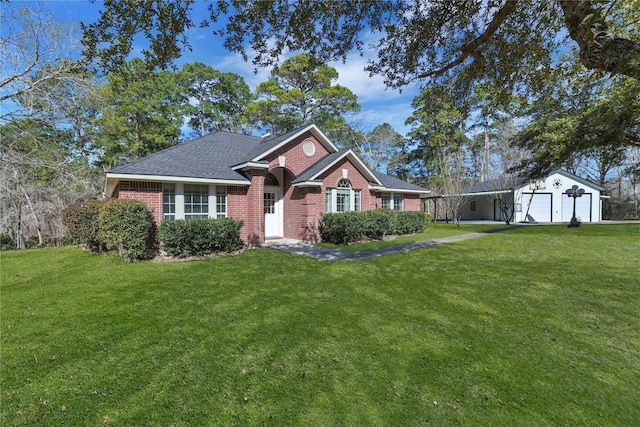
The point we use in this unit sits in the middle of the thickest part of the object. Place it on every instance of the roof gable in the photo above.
(270, 144)
(583, 181)
(313, 172)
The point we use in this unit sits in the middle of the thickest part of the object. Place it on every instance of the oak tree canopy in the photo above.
(511, 44)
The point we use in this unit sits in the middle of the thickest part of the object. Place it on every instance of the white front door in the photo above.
(272, 212)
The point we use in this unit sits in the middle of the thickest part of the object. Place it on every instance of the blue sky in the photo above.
(379, 104)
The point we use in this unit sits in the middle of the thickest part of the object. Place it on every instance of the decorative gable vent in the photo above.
(309, 148)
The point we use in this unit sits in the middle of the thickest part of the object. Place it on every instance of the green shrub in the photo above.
(342, 228)
(82, 222)
(226, 233)
(377, 223)
(410, 222)
(181, 238)
(31, 242)
(66, 241)
(349, 227)
(6, 242)
(128, 227)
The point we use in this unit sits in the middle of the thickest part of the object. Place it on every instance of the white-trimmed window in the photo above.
(221, 201)
(168, 201)
(398, 201)
(393, 201)
(196, 201)
(187, 201)
(386, 200)
(343, 198)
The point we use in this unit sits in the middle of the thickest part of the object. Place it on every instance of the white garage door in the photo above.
(540, 209)
(583, 208)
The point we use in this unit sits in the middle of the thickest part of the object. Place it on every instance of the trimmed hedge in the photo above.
(128, 226)
(342, 228)
(349, 227)
(409, 222)
(82, 222)
(181, 238)
(377, 223)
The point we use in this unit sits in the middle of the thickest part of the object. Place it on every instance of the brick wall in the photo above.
(295, 158)
(253, 230)
(302, 207)
(148, 192)
(332, 177)
(412, 202)
(238, 207)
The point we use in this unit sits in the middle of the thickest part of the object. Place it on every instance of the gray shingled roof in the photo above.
(208, 157)
(213, 156)
(397, 184)
(493, 185)
(317, 167)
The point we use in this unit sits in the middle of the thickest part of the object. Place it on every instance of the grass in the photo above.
(534, 326)
(433, 231)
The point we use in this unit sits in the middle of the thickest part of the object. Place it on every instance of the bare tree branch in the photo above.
(470, 49)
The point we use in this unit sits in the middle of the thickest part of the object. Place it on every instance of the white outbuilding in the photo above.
(544, 200)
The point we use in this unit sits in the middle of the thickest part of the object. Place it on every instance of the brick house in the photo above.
(278, 185)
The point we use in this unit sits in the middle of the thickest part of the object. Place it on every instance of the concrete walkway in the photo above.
(306, 249)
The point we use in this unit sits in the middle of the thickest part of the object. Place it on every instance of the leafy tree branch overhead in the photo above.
(510, 43)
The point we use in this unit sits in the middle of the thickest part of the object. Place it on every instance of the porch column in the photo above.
(255, 206)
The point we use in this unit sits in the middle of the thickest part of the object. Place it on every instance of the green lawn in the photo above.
(533, 326)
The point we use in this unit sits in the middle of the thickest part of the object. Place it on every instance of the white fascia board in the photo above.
(322, 138)
(161, 178)
(308, 184)
(250, 165)
(397, 190)
(485, 193)
(400, 190)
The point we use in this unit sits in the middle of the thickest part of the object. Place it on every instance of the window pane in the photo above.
(343, 196)
(356, 200)
(196, 201)
(343, 202)
(386, 200)
(329, 192)
(397, 202)
(269, 203)
(221, 201)
(168, 201)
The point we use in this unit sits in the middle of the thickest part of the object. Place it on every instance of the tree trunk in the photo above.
(484, 167)
(33, 213)
(600, 49)
(201, 118)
